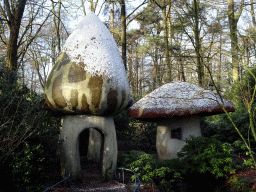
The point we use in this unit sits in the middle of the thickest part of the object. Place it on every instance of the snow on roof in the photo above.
(179, 99)
(92, 43)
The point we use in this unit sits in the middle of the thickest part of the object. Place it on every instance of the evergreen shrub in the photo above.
(207, 159)
(163, 174)
(29, 137)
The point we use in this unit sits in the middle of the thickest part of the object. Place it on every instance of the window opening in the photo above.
(176, 133)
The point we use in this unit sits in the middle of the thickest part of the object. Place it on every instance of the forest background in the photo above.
(209, 43)
(160, 41)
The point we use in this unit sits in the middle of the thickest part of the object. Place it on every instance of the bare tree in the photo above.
(15, 40)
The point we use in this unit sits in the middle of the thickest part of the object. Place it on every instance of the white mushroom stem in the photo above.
(167, 147)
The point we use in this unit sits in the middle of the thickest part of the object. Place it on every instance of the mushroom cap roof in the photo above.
(92, 43)
(89, 75)
(179, 99)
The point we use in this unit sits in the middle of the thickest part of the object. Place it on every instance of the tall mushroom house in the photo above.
(88, 85)
(177, 108)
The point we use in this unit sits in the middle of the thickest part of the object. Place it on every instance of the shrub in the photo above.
(130, 157)
(208, 160)
(28, 136)
(164, 174)
(27, 166)
(168, 174)
(201, 155)
(240, 94)
(144, 167)
(220, 127)
(236, 183)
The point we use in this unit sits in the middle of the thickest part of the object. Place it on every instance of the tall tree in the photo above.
(190, 16)
(150, 24)
(200, 65)
(164, 5)
(124, 25)
(15, 40)
(123, 31)
(56, 22)
(12, 14)
(233, 20)
(93, 5)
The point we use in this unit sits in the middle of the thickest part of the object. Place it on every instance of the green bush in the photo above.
(28, 137)
(130, 157)
(236, 183)
(163, 174)
(202, 154)
(168, 174)
(144, 167)
(220, 127)
(208, 159)
(27, 166)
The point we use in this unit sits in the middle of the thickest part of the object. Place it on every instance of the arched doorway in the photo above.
(72, 127)
(91, 145)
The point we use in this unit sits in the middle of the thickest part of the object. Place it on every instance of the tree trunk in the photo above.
(112, 21)
(169, 32)
(219, 64)
(82, 1)
(200, 66)
(253, 15)
(136, 69)
(93, 5)
(181, 70)
(130, 71)
(167, 59)
(155, 70)
(57, 24)
(123, 32)
(53, 49)
(142, 78)
(233, 19)
(14, 26)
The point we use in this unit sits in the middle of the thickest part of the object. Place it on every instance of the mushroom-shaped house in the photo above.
(177, 108)
(88, 83)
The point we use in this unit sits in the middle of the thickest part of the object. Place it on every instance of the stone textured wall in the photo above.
(167, 147)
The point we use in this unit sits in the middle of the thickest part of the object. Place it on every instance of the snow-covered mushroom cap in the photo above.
(89, 76)
(179, 99)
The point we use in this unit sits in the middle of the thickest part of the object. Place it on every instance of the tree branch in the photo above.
(22, 53)
(154, 1)
(8, 10)
(4, 42)
(3, 14)
(82, 1)
(253, 15)
(101, 7)
(27, 28)
(240, 11)
(128, 22)
(143, 3)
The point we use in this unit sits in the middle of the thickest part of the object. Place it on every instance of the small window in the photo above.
(176, 133)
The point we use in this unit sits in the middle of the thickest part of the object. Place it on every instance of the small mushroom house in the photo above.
(88, 85)
(177, 108)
